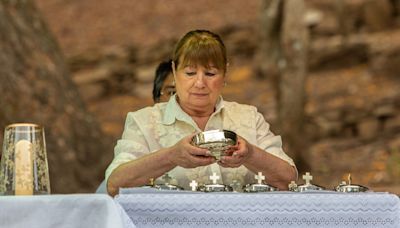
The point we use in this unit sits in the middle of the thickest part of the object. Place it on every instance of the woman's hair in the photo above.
(162, 72)
(200, 47)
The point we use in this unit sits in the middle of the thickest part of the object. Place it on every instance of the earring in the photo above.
(225, 84)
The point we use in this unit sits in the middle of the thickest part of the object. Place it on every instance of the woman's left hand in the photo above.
(240, 153)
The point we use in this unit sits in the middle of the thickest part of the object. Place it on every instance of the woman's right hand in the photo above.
(188, 156)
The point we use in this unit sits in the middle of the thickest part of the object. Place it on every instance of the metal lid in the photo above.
(215, 188)
(259, 188)
(349, 187)
(168, 187)
(308, 186)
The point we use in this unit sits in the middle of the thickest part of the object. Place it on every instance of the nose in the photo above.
(199, 83)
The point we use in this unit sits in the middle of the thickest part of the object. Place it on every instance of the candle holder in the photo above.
(23, 167)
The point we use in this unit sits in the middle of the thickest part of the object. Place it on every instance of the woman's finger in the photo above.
(193, 150)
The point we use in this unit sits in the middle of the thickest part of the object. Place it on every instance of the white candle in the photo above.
(23, 168)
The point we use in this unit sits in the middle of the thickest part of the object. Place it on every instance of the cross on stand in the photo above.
(193, 185)
(214, 178)
(259, 177)
(307, 177)
(167, 178)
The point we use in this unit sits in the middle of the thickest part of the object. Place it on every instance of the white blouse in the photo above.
(164, 124)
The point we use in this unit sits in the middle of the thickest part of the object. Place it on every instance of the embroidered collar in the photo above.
(174, 112)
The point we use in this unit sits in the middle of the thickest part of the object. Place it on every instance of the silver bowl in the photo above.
(308, 187)
(216, 141)
(215, 188)
(259, 188)
(351, 188)
(167, 186)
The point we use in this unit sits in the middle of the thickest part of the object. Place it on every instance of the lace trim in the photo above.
(250, 221)
(271, 209)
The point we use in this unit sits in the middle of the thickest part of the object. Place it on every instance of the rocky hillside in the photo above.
(353, 86)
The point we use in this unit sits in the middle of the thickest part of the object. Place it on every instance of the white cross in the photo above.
(193, 184)
(307, 178)
(214, 178)
(259, 177)
(166, 178)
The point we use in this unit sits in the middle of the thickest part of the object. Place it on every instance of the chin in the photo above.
(200, 104)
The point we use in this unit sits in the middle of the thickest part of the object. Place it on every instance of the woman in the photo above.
(163, 86)
(163, 89)
(157, 139)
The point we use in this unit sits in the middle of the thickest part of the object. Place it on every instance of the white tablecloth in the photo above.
(280, 209)
(58, 211)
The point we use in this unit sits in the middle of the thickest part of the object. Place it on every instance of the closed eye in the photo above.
(190, 73)
(210, 74)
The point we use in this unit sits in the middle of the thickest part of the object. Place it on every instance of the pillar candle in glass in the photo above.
(23, 167)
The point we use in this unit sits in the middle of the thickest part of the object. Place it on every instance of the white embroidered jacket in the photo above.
(164, 124)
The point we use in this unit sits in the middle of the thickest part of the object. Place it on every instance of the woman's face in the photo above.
(198, 87)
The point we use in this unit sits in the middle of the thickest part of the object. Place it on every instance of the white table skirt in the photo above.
(58, 211)
(280, 209)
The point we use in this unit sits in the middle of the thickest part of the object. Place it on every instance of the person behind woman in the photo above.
(163, 86)
(156, 139)
(163, 89)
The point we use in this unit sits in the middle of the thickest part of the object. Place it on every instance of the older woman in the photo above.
(157, 139)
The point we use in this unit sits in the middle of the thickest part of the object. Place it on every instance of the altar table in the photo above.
(59, 211)
(273, 209)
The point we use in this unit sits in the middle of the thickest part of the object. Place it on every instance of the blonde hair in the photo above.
(200, 47)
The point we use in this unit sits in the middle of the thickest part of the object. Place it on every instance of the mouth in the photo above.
(200, 94)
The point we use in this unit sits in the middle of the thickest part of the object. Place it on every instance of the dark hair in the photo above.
(162, 72)
(202, 47)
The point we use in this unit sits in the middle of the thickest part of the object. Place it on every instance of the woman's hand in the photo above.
(239, 154)
(188, 156)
